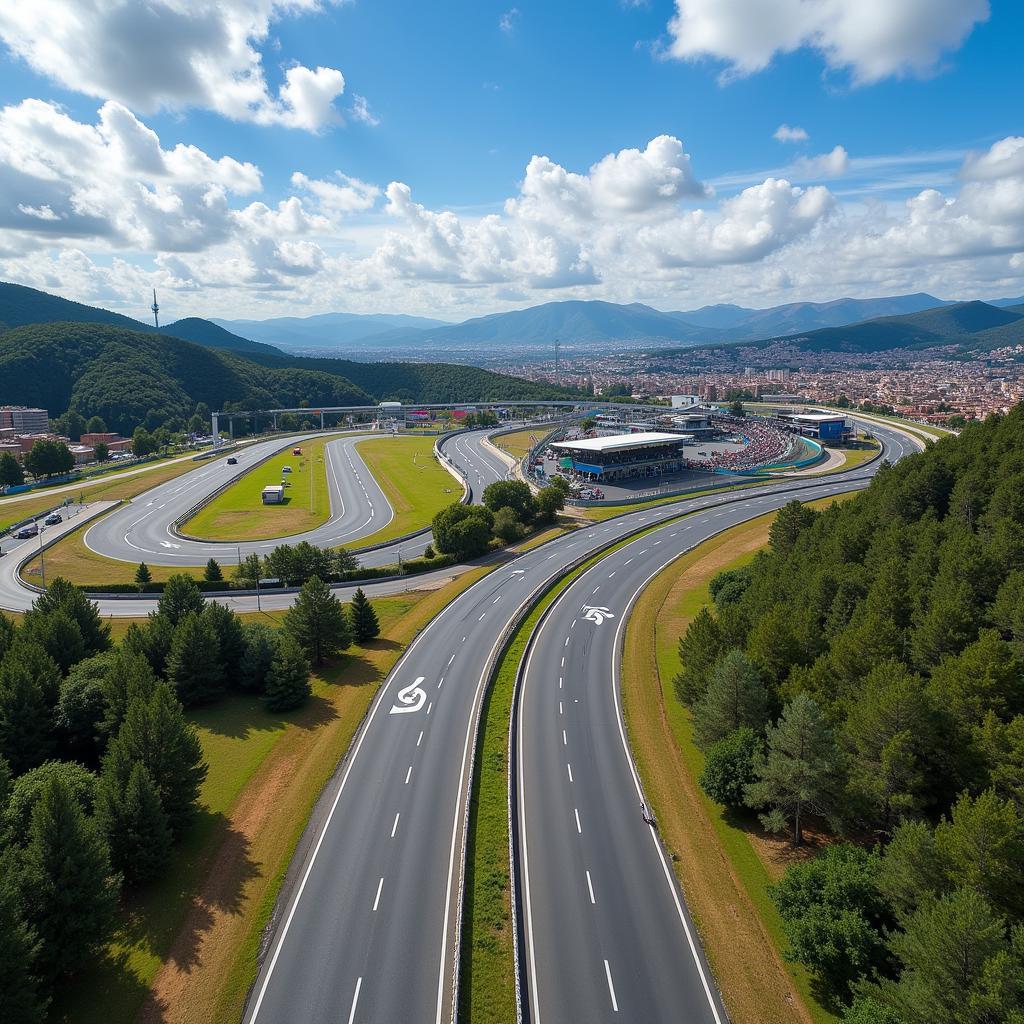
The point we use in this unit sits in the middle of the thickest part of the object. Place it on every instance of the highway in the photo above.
(366, 926)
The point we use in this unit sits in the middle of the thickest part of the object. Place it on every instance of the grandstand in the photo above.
(623, 456)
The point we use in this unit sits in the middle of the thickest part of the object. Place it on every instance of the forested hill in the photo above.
(20, 306)
(129, 377)
(426, 382)
(885, 638)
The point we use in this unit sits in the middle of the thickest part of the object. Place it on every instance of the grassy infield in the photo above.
(416, 486)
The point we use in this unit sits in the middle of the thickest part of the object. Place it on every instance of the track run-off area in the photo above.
(368, 922)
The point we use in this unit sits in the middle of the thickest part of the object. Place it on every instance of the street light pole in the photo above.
(42, 558)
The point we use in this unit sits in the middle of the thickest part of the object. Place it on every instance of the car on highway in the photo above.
(32, 530)
(53, 519)
(232, 461)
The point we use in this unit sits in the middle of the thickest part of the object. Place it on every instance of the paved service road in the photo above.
(366, 926)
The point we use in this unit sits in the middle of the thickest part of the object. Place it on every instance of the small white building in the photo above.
(273, 494)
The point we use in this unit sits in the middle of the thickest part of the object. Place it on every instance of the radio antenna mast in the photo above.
(156, 311)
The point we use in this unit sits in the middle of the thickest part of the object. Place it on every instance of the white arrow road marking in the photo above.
(168, 544)
(411, 698)
(597, 614)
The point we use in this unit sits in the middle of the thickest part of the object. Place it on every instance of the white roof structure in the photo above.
(815, 417)
(623, 442)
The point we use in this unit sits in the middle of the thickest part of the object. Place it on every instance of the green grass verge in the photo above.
(416, 485)
(239, 513)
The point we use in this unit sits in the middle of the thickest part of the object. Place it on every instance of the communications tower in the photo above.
(156, 311)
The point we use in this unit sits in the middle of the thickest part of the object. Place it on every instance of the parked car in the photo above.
(32, 530)
(232, 461)
(53, 519)
(286, 469)
(296, 451)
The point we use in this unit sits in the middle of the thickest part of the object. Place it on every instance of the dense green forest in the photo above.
(100, 768)
(127, 377)
(863, 678)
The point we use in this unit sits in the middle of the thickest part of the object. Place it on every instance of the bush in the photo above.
(463, 530)
(730, 767)
(507, 526)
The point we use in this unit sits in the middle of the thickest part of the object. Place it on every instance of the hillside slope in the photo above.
(131, 377)
(20, 306)
(328, 330)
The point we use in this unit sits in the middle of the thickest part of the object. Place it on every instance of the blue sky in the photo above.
(437, 110)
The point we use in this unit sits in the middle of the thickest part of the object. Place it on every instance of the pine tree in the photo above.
(699, 648)
(134, 823)
(287, 683)
(317, 622)
(180, 596)
(6, 634)
(25, 722)
(32, 656)
(797, 774)
(20, 999)
(155, 733)
(67, 876)
(152, 640)
(230, 638)
(194, 665)
(143, 576)
(260, 647)
(792, 519)
(60, 594)
(363, 618)
(213, 573)
(735, 697)
(129, 676)
(58, 634)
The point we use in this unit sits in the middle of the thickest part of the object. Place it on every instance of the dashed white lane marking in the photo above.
(566, 644)
(568, 768)
(497, 599)
(565, 742)
(610, 575)
(560, 709)
(394, 828)
(429, 706)
(563, 661)
(420, 739)
(355, 1001)
(559, 682)
(440, 682)
(463, 639)
(627, 561)
(579, 827)
(451, 659)
(481, 619)
(611, 987)
(376, 899)
(408, 775)
(573, 626)
(590, 888)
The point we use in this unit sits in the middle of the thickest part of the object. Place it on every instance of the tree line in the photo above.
(101, 771)
(865, 676)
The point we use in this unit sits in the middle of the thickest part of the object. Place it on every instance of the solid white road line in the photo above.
(376, 899)
(611, 987)
(355, 1001)
(394, 828)
(590, 888)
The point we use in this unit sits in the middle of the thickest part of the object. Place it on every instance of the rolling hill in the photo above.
(136, 377)
(20, 306)
(328, 330)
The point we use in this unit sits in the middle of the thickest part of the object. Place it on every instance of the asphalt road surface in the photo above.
(366, 926)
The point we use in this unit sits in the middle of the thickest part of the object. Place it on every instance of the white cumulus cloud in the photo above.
(833, 164)
(785, 133)
(872, 39)
(173, 54)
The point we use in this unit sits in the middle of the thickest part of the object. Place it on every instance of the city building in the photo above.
(24, 420)
(822, 425)
(623, 456)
